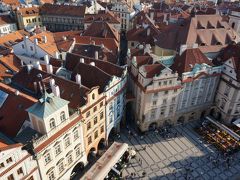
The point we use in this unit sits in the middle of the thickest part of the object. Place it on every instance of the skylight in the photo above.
(3, 97)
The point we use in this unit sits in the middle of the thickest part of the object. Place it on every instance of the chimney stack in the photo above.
(46, 59)
(92, 63)
(56, 55)
(44, 39)
(52, 82)
(78, 79)
(56, 90)
(49, 69)
(81, 60)
(148, 31)
(35, 41)
(96, 54)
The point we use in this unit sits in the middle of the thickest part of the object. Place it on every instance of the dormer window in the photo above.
(52, 123)
(62, 116)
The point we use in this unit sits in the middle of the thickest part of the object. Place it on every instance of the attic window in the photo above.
(93, 96)
(218, 43)
(202, 44)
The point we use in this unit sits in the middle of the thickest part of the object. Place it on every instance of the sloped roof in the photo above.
(11, 61)
(28, 11)
(11, 123)
(102, 16)
(6, 19)
(47, 105)
(153, 69)
(102, 30)
(63, 10)
(186, 61)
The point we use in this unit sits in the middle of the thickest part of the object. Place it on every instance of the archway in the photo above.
(152, 126)
(101, 146)
(212, 112)
(181, 120)
(91, 154)
(78, 169)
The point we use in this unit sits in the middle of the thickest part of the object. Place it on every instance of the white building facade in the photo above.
(60, 151)
(16, 163)
(7, 28)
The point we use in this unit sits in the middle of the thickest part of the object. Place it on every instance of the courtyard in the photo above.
(179, 154)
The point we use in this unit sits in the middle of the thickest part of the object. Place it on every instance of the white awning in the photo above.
(104, 165)
(237, 123)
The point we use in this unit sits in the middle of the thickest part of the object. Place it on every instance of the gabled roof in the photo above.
(11, 62)
(47, 105)
(142, 60)
(102, 30)
(63, 10)
(9, 39)
(186, 61)
(102, 16)
(28, 11)
(11, 123)
(153, 69)
(73, 59)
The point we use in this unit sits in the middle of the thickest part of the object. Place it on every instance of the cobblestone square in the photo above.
(186, 156)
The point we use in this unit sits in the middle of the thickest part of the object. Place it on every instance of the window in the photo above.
(162, 111)
(159, 83)
(1, 165)
(175, 90)
(10, 177)
(62, 116)
(31, 48)
(155, 94)
(227, 90)
(88, 125)
(58, 149)
(47, 158)
(61, 167)
(95, 120)
(165, 82)
(132, 44)
(88, 114)
(78, 152)
(9, 160)
(170, 82)
(101, 115)
(89, 140)
(20, 171)
(101, 104)
(93, 96)
(165, 92)
(67, 142)
(52, 123)
(70, 159)
(118, 100)
(164, 101)
(153, 111)
(75, 134)
(22, 46)
(171, 109)
(102, 129)
(51, 175)
(154, 103)
(95, 109)
(96, 135)
(173, 100)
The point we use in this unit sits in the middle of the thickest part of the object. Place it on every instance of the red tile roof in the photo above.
(6, 19)
(102, 30)
(11, 123)
(28, 11)
(188, 59)
(62, 10)
(142, 60)
(11, 62)
(153, 69)
(102, 16)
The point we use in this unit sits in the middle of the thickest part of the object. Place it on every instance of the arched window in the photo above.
(51, 174)
(52, 123)
(93, 96)
(62, 116)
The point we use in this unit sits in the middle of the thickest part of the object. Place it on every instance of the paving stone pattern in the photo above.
(186, 156)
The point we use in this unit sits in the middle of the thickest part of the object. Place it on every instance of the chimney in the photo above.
(81, 60)
(134, 59)
(148, 31)
(102, 46)
(35, 41)
(29, 68)
(78, 79)
(93, 42)
(44, 28)
(57, 55)
(49, 69)
(25, 38)
(92, 63)
(16, 92)
(52, 82)
(38, 66)
(44, 39)
(46, 59)
(35, 86)
(64, 38)
(56, 90)
(96, 54)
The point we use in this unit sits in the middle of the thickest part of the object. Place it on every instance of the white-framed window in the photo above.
(78, 151)
(67, 142)
(69, 158)
(61, 167)
(62, 116)
(47, 158)
(51, 175)
(52, 123)
(75, 134)
(58, 149)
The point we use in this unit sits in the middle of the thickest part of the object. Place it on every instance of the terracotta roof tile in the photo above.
(62, 10)
(188, 59)
(102, 30)
(11, 61)
(10, 123)
(28, 11)
(153, 69)
(10, 38)
(102, 16)
(6, 19)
